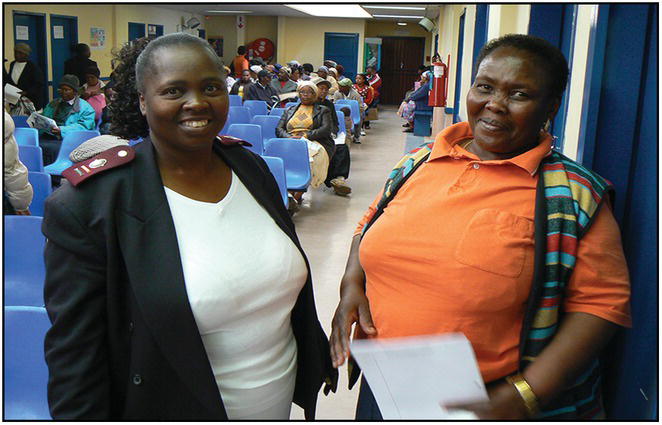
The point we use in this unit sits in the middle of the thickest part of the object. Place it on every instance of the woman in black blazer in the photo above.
(125, 343)
(31, 80)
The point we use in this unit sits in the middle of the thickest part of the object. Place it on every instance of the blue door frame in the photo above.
(458, 70)
(62, 48)
(36, 23)
(619, 140)
(136, 30)
(480, 32)
(343, 48)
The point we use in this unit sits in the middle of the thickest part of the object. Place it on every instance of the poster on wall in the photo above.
(97, 38)
(22, 32)
(216, 44)
(373, 52)
(58, 32)
(151, 30)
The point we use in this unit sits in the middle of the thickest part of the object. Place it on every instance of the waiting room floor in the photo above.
(325, 227)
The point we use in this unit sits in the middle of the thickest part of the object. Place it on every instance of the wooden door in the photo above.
(401, 57)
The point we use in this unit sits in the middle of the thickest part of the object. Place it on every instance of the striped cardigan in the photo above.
(568, 197)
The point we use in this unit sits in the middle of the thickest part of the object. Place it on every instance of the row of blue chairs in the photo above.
(30, 153)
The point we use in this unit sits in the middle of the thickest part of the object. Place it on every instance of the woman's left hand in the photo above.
(505, 404)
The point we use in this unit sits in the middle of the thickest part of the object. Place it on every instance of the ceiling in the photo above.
(267, 9)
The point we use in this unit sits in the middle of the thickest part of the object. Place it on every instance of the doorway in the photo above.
(136, 30)
(343, 48)
(64, 37)
(401, 57)
(458, 71)
(30, 28)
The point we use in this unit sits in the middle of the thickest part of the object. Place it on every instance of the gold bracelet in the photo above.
(526, 392)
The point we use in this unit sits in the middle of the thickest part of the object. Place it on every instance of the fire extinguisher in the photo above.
(439, 83)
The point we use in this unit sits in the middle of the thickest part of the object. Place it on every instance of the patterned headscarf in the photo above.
(313, 86)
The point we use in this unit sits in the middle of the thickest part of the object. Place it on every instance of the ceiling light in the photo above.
(332, 11)
(229, 11)
(399, 16)
(394, 7)
(402, 23)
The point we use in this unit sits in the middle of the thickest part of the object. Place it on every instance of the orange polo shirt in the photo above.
(453, 252)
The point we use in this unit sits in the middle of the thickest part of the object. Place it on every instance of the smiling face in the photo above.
(508, 103)
(185, 100)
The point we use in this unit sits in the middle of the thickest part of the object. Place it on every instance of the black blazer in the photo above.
(31, 82)
(322, 126)
(124, 343)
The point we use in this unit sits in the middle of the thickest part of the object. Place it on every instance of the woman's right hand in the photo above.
(353, 307)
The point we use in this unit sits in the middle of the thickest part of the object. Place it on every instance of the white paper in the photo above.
(340, 138)
(41, 122)
(12, 94)
(58, 32)
(22, 32)
(412, 378)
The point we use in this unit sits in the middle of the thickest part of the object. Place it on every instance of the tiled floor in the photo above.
(326, 226)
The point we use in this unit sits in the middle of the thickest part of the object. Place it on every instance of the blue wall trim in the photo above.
(480, 33)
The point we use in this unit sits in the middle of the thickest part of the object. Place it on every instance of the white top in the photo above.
(17, 71)
(243, 275)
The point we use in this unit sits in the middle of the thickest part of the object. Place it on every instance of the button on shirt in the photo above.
(453, 252)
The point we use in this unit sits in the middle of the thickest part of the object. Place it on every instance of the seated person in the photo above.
(70, 113)
(339, 165)
(346, 91)
(109, 93)
(262, 89)
(92, 91)
(420, 98)
(240, 86)
(283, 84)
(311, 121)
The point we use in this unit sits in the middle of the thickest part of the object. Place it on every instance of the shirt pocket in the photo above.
(496, 242)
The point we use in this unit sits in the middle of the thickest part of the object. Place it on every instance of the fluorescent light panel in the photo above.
(332, 11)
(402, 23)
(394, 7)
(229, 11)
(399, 16)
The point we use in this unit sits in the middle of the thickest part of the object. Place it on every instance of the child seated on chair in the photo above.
(349, 125)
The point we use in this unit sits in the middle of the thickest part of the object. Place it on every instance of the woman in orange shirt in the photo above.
(451, 249)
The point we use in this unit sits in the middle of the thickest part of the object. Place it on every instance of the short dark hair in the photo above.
(556, 66)
(93, 70)
(365, 77)
(146, 58)
(241, 50)
(82, 48)
(345, 110)
(308, 67)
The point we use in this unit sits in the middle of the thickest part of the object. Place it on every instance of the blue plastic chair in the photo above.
(31, 157)
(294, 153)
(257, 107)
(354, 107)
(42, 188)
(24, 260)
(288, 104)
(26, 136)
(252, 133)
(20, 121)
(277, 168)
(268, 124)
(70, 142)
(235, 100)
(277, 111)
(240, 115)
(134, 142)
(25, 371)
(342, 128)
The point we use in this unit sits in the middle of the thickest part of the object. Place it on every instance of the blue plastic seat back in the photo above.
(31, 157)
(236, 115)
(42, 188)
(277, 168)
(20, 121)
(294, 153)
(257, 107)
(252, 133)
(354, 107)
(70, 142)
(342, 128)
(288, 104)
(134, 142)
(24, 260)
(235, 100)
(26, 136)
(277, 111)
(25, 371)
(268, 124)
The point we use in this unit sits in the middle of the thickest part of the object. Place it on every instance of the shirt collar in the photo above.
(447, 145)
(72, 101)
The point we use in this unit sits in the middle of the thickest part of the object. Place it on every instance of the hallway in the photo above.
(326, 225)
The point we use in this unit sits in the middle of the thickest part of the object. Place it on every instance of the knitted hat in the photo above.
(345, 82)
(70, 80)
(23, 48)
(263, 73)
(335, 71)
(323, 69)
(95, 146)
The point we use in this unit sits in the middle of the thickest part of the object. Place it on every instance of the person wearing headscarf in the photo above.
(283, 84)
(26, 75)
(333, 79)
(254, 70)
(262, 89)
(311, 121)
(69, 112)
(346, 91)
